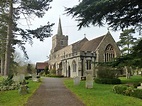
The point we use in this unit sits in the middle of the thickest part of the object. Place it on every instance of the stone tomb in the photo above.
(89, 81)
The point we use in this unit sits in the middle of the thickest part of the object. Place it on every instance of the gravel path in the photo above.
(52, 92)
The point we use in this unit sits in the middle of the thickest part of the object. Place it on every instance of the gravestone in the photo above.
(89, 81)
(76, 80)
(34, 77)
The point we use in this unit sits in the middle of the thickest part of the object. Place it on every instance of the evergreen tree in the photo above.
(137, 54)
(118, 14)
(10, 12)
(126, 41)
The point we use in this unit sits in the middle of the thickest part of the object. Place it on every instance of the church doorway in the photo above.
(69, 72)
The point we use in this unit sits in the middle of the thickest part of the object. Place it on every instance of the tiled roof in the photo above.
(92, 44)
(77, 45)
(41, 65)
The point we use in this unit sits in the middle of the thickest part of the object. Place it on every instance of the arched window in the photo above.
(109, 53)
(74, 66)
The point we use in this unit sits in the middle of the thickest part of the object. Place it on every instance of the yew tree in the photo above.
(127, 41)
(118, 14)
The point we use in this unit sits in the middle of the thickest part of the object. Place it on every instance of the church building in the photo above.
(77, 59)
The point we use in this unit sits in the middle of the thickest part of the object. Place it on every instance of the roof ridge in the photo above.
(79, 41)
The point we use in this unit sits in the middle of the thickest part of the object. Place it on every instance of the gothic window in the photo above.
(109, 53)
(88, 63)
(74, 66)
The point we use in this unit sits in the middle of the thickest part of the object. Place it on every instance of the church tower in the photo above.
(59, 40)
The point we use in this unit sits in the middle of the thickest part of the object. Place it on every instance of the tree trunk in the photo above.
(2, 65)
(8, 41)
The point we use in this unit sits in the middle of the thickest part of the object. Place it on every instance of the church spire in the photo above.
(59, 28)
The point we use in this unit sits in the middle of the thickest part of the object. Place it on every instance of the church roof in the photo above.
(41, 65)
(77, 45)
(92, 44)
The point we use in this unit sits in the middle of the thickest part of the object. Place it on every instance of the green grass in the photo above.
(102, 95)
(132, 79)
(13, 98)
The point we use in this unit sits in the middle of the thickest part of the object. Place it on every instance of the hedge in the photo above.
(137, 93)
(108, 81)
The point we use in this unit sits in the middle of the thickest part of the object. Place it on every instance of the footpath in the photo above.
(52, 92)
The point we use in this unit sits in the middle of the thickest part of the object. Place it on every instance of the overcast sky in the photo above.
(39, 51)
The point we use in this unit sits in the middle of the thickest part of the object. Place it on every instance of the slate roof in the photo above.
(41, 65)
(92, 44)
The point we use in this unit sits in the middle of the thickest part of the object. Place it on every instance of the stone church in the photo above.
(77, 59)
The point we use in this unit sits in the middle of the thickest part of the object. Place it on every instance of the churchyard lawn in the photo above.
(102, 95)
(13, 98)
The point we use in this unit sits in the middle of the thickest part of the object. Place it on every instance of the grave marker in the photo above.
(76, 80)
(89, 81)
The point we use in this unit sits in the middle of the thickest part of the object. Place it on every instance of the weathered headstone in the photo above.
(89, 81)
(76, 80)
(34, 77)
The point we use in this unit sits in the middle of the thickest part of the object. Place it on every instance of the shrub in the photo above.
(53, 71)
(8, 84)
(46, 70)
(127, 90)
(119, 89)
(108, 81)
(57, 76)
(107, 72)
(137, 93)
